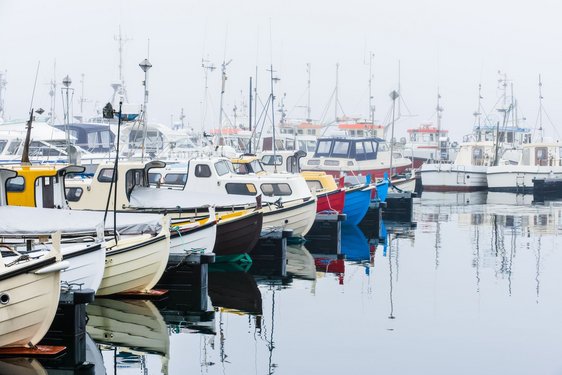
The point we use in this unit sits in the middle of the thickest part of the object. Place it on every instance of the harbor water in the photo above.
(473, 286)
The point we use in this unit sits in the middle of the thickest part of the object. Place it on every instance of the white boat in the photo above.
(467, 173)
(29, 297)
(537, 160)
(289, 202)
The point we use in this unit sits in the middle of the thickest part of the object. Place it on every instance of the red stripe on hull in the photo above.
(332, 201)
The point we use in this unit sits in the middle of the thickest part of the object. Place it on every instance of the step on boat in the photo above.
(29, 296)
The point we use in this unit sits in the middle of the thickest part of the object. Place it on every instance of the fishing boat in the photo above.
(286, 200)
(136, 248)
(537, 161)
(356, 156)
(29, 296)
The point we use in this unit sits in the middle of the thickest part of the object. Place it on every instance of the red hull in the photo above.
(332, 201)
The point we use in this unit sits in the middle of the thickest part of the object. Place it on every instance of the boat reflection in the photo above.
(355, 245)
(131, 329)
(232, 288)
(300, 263)
(453, 198)
(21, 366)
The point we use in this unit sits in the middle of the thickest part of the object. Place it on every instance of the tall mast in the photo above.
(223, 85)
(82, 99)
(371, 106)
(308, 116)
(121, 41)
(250, 115)
(540, 108)
(145, 65)
(3, 84)
(207, 67)
(273, 116)
(336, 92)
(399, 90)
(478, 113)
(439, 111)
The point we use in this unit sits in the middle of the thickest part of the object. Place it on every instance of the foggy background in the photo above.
(453, 46)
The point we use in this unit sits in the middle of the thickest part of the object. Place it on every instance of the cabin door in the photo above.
(45, 192)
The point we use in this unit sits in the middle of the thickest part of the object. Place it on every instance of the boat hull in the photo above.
(296, 215)
(86, 265)
(331, 201)
(33, 300)
(200, 239)
(136, 264)
(237, 236)
(451, 177)
(357, 203)
(519, 179)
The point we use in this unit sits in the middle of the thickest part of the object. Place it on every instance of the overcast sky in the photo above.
(449, 45)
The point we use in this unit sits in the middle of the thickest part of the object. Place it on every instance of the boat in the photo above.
(300, 264)
(21, 366)
(341, 156)
(466, 173)
(134, 258)
(538, 160)
(357, 202)
(29, 297)
(426, 142)
(286, 200)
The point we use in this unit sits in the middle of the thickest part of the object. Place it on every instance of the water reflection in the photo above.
(300, 263)
(232, 288)
(21, 366)
(129, 329)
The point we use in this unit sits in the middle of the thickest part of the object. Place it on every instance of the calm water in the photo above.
(476, 287)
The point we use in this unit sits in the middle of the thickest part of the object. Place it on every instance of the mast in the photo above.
(393, 95)
(122, 90)
(3, 84)
(540, 109)
(223, 85)
(308, 116)
(82, 99)
(371, 106)
(250, 116)
(66, 82)
(439, 111)
(478, 113)
(336, 92)
(273, 116)
(52, 94)
(207, 67)
(145, 65)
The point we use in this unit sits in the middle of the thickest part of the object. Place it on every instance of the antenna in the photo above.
(25, 152)
(223, 86)
(540, 108)
(3, 84)
(308, 115)
(336, 92)
(371, 106)
(122, 91)
(207, 67)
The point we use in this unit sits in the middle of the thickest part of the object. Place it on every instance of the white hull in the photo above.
(519, 178)
(32, 303)
(86, 269)
(405, 184)
(453, 177)
(197, 240)
(297, 216)
(135, 264)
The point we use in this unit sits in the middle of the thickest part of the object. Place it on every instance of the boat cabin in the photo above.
(476, 153)
(39, 186)
(541, 154)
(347, 148)
(91, 137)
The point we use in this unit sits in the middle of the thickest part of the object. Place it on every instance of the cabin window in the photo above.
(105, 175)
(202, 170)
(276, 189)
(13, 147)
(92, 140)
(73, 194)
(359, 151)
(314, 185)
(15, 184)
(240, 189)
(370, 150)
(323, 148)
(241, 168)
(332, 163)
(175, 179)
(270, 160)
(526, 156)
(3, 144)
(154, 178)
(477, 155)
(292, 165)
(341, 149)
(222, 167)
(313, 162)
(541, 156)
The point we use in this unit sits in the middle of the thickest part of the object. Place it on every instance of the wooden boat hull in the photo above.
(357, 203)
(135, 264)
(296, 215)
(331, 201)
(197, 239)
(87, 265)
(238, 235)
(32, 301)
